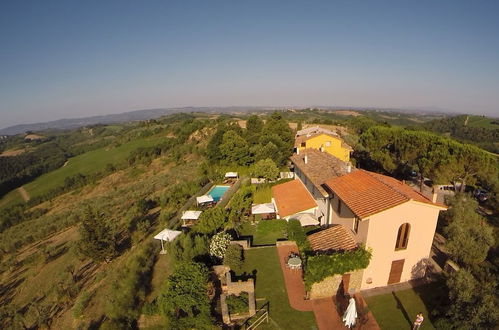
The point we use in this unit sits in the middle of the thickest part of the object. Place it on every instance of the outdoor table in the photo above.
(294, 262)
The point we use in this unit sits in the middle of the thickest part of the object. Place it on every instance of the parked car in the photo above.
(481, 195)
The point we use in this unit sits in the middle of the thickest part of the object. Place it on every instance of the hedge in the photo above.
(324, 265)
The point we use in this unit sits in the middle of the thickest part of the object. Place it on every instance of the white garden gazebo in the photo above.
(167, 235)
(204, 199)
(190, 216)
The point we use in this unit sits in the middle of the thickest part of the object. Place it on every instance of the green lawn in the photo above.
(399, 309)
(266, 232)
(262, 195)
(264, 263)
(88, 163)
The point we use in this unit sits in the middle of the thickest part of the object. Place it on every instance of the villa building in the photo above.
(389, 217)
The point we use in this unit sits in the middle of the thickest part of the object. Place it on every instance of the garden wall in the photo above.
(330, 285)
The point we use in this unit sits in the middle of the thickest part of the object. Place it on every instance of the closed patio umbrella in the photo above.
(350, 314)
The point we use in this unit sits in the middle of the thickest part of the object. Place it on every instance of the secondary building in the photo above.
(314, 168)
(327, 142)
(293, 201)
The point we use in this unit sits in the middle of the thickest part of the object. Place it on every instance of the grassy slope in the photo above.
(270, 285)
(88, 163)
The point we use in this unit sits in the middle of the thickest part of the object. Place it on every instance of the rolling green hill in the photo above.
(89, 163)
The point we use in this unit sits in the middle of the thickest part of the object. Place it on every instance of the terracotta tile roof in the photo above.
(292, 197)
(367, 193)
(320, 167)
(334, 238)
(313, 130)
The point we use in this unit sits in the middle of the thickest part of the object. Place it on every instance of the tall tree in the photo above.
(469, 237)
(185, 300)
(97, 237)
(473, 303)
(265, 168)
(234, 149)
(211, 221)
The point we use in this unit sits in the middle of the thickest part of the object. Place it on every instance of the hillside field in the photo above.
(88, 163)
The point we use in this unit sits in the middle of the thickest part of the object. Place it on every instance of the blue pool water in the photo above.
(217, 192)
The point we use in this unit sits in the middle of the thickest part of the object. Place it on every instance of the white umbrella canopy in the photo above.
(263, 208)
(167, 235)
(231, 175)
(306, 219)
(204, 199)
(191, 215)
(350, 315)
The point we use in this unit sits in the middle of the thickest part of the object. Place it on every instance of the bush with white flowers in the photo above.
(219, 244)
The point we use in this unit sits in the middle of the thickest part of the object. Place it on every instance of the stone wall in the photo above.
(330, 285)
(326, 288)
(244, 243)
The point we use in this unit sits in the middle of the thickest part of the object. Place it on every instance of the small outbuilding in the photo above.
(166, 235)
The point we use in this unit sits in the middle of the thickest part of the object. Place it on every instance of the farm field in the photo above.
(485, 122)
(88, 163)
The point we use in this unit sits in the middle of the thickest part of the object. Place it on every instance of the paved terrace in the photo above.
(326, 315)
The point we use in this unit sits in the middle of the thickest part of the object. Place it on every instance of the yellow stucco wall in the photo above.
(335, 148)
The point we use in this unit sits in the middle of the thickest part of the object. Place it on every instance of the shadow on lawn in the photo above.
(402, 309)
(435, 297)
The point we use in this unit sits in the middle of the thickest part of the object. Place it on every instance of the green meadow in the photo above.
(88, 163)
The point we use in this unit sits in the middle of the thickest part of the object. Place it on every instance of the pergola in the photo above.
(167, 235)
(263, 208)
(204, 199)
(190, 215)
(306, 219)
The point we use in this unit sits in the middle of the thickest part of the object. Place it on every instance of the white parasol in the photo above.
(350, 314)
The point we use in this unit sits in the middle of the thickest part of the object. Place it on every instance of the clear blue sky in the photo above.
(65, 59)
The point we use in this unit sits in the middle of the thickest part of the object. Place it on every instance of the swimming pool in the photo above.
(217, 192)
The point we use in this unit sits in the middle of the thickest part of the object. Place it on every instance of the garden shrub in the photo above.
(237, 304)
(320, 266)
(234, 257)
(297, 234)
(219, 244)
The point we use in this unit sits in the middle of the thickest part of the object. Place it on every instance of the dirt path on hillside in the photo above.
(24, 193)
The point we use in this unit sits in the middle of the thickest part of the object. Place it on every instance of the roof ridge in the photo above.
(387, 185)
(402, 183)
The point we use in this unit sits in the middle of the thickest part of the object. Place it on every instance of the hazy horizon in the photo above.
(68, 60)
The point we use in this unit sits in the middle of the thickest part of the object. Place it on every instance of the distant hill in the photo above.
(119, 118)
(79, 122)
(146, 114)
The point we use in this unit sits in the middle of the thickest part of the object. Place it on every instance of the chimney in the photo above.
(305, 159)
(297, 151)
(434, 195)
(321, 149)
(349, 168)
